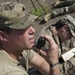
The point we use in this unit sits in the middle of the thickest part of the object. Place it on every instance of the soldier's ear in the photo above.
(2, 36)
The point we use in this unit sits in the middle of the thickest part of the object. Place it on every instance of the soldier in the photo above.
(67, 6)
(63, 33)
(17, 41)
(63, 10)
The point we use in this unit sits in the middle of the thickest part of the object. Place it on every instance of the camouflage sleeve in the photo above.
(71, 8)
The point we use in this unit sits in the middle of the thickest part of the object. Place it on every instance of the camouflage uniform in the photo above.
(60, 8)
(63, 3)
(68, 68)
(63, 11)
(63, 7)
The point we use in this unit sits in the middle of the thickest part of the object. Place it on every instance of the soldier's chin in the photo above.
(28, 48)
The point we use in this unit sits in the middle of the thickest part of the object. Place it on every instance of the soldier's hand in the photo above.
(50, 55)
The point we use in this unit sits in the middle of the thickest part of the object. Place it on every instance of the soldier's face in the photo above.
(64, 33)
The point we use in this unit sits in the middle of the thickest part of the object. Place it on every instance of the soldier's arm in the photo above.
(43, 66)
